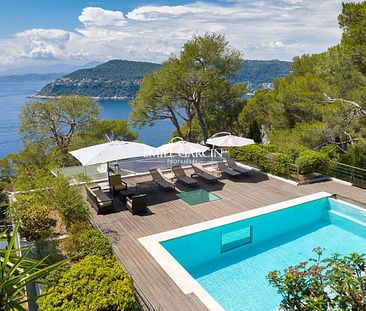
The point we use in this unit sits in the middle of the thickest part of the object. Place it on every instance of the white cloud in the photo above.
(98, 17)
(261, 29)
(43, 43)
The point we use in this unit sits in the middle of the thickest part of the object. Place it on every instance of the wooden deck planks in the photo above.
(168, 212)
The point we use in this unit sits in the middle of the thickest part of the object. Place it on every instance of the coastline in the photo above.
(94, 97)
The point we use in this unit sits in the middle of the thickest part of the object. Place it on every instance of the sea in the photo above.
(13, 96)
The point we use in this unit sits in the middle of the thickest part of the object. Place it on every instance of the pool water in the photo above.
(231, 262)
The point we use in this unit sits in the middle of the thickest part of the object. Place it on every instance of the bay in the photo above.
(13, 96)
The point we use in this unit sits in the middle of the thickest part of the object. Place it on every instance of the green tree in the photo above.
(94, 283)
(55, 122)
(191, 86)
(157, 99)
(18, 271)
(321, 102)
(206, 64)
(97, 133)
(353, 23)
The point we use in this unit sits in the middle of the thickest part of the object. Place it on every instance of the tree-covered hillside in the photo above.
(321, 105)
(115, 70)
(258, 72)
(121, 79)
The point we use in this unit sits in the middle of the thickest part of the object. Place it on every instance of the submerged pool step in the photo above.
(349, 223)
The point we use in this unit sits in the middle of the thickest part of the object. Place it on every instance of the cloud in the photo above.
(98, 17)
(261, 29)
(43, 43)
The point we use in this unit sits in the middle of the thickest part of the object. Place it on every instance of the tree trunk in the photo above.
(189, 122)
(264, 136)
(196, 104)
(175, 122)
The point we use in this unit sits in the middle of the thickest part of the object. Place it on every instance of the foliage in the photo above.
(337, 283)
(4, 182)
(94, 283)
(67, 200)
(30, 168)
(194, 131)
(353, 22)
(250, 153)
(48, 250)
(33, 214)
(96, 134)
(276, 163)
(17, 271)
(84, 241)
(310, 161)
(356, 155)
(321, 102)
(194, 85)
(265, 157)
(54, 123)
(38, 211)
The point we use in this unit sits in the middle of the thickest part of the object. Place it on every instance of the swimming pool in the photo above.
(225, 261)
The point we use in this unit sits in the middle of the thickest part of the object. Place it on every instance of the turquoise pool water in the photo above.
(231, 262)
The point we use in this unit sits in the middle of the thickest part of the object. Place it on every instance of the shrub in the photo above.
(337, 283)
(310, 161)
(46, 249)
(94, 283)
(250, 153)
(355, 155)
(276, 163)
(92, 242)
(68, 201)
(84, 241)
(264, 157)
(33, 214)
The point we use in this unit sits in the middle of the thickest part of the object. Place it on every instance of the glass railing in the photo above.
(133, 167)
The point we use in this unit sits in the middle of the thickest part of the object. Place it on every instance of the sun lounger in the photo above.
(181, 176)
(232, 164)
(228, 171)
(159, 179)
(200, 172)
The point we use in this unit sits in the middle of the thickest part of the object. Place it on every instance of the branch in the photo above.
(358, 107)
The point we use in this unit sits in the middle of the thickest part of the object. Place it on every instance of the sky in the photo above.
(46, 32)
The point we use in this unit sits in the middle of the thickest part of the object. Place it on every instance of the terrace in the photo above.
(167, 212)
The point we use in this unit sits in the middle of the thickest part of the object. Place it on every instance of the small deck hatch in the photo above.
(236, 238)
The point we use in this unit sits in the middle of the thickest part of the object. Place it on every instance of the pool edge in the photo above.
(178, 274)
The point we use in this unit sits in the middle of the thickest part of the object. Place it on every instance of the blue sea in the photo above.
(13, 95)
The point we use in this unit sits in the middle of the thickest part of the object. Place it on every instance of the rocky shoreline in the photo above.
(94, 97)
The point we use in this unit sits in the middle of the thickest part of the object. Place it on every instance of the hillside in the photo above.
(121, 78)
(258, 72)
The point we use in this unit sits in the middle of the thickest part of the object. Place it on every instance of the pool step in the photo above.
(349, 223)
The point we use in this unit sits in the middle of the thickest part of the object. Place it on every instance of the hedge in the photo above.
(310, 161)
(276, 163)
(251, 153)
(94, 283)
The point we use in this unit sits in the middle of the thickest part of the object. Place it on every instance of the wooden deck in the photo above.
(168, 212)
